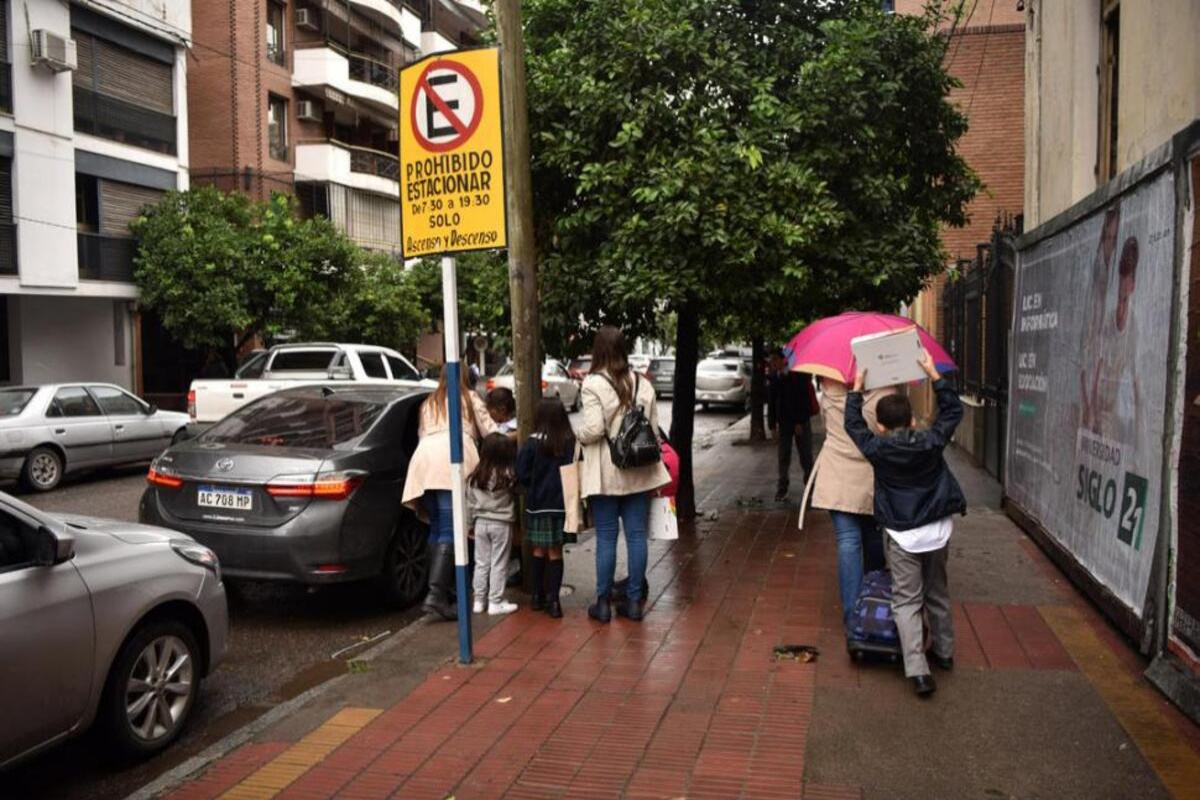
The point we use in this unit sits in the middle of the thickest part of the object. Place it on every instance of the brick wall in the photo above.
(229, 78)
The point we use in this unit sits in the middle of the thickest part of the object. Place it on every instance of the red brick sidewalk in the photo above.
(689, 703)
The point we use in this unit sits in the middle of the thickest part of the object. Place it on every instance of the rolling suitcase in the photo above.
(873, 632)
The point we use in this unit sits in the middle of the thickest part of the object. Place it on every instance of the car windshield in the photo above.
(710, 365)
(320, 423)
(13, 401)
(663, 365)
(505, 370)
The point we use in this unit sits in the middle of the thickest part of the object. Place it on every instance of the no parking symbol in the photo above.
(451, 154)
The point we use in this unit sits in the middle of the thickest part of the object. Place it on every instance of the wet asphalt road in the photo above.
(281, 640)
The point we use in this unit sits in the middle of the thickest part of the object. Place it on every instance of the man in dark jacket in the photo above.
(916, 497)
(791, 404)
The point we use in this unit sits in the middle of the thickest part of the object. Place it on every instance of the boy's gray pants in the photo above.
(920, 579)
(493, 540)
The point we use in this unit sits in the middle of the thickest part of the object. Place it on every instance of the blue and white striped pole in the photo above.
(454, 402)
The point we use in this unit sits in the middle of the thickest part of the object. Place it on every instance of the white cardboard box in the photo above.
(889, 358)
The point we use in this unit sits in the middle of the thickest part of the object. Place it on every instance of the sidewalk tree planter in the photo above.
(749, 165)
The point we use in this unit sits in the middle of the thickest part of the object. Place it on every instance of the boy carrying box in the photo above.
(915, 497)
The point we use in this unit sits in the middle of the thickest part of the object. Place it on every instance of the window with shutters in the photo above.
(373, 221)
(5, 64)
(123, 95)
(104, 209)
(8, 229)
(1110, 63)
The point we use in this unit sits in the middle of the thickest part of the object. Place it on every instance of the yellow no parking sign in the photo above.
(451, 154)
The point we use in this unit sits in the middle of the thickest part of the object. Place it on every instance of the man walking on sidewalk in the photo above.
(916, 496)
(791, 404)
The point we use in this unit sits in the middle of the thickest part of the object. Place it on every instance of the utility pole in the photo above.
(522, 265)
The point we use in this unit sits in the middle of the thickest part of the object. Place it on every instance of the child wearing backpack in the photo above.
(551, 447)
(491, 495)
(916, 497)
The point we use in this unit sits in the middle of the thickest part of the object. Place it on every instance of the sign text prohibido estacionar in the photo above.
(451, 154)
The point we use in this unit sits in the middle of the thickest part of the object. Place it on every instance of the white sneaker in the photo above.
(478, 606)
(503, 607)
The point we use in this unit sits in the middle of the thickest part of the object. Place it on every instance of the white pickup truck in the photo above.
(286, 365)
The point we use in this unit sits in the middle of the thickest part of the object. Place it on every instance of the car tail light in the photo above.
(156, 478)
(491, 384)
(326, 485)
(192, 403)
(544, 385)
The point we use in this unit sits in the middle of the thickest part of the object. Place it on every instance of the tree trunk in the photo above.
(758, 430)
(683, 405)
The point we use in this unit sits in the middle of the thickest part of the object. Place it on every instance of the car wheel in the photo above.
(405, 577)
(704, 406)
(43, 469)
(151, 688)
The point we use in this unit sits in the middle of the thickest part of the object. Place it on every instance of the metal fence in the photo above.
(977, 314)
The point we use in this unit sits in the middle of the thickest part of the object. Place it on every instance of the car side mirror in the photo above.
(51, 549)
(340, 374)
(152, 410)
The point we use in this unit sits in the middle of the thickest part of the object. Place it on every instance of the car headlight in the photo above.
(199, 555)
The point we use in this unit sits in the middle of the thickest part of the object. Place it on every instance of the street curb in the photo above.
(176, 776)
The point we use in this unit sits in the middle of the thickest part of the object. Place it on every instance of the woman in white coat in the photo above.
(616, 496)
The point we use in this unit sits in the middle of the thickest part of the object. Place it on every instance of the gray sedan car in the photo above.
(47, 432)
(302, 485)
(102, 621)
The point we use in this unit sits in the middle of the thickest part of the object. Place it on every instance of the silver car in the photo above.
(723, 382)
(556, 383)
(47, 432)
(102, 621)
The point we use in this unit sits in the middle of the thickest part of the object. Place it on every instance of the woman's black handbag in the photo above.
(635, 444)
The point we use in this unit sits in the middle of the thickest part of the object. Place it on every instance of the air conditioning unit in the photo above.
(55, 52)
(308, 111)
(307, 18)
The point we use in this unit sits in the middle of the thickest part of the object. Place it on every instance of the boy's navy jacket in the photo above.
(913, 485)
(538, 474)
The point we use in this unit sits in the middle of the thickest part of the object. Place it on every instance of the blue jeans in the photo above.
(857, 536)
(439, 507)
(608, 511)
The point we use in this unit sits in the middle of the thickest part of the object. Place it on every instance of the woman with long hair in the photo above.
(616, 496)
(427, 485)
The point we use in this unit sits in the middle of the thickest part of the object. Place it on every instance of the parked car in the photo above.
(54, 430)
(580, 367)
(556, 383)
(302, 485)
(661, 373)
(102, 622)
(288, 364)
(723, 382)
(639, 363)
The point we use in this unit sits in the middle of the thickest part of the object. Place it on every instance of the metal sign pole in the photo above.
(454, 402)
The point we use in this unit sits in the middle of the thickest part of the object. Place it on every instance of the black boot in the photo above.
(441, 578)
(553, 607)
(538, 601)
(600, 610)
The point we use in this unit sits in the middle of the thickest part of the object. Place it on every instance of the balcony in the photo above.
(328, 160)
(329, 72)
(381, 11)
(106, 258)
(8, 248)
(110, 118)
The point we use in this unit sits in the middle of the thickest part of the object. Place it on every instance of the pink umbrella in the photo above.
(823, 347)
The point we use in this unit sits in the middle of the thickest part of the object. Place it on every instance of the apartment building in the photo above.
(301, 96)
(93, 125)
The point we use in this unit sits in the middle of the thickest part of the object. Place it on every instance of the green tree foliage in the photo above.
(220, 269)
(748, 164)
(483, 299)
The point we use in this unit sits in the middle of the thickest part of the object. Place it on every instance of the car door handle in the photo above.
(238, 395)
(60, 431)
(119, 427)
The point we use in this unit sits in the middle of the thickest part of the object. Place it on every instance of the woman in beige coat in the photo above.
(427, 485)
(844, 485)
(616, 496)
